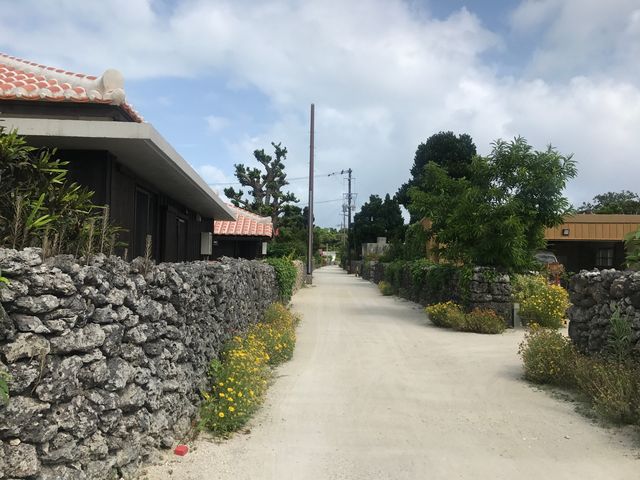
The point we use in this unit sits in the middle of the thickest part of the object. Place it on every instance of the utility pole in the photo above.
(349, 196)
(347, 213)
(310, 219)
(349, 223)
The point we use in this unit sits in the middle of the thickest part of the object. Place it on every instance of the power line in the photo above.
(322, 175)
(324, 201)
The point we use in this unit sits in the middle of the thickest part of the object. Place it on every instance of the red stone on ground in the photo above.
(181, 450)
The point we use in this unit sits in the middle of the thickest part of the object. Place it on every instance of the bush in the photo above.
(484, 320)
(385, 288)
(612, 387)
(548, 356)
(540, 303)
(451, 315)
(619, 340)
(239, 378)
(393, 273)
(285, 276)
(447, 315)
(40, 206)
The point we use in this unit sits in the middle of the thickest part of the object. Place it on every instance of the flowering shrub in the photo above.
(548, 356)
(484, 320)
(447, 314)
(541, 303)
(480, 320)
(612, 386)
(278, 333)
(240, 376)
(385, 288)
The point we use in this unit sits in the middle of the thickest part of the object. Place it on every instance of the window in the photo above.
(144, 222)
(181, 239)
(604, 257)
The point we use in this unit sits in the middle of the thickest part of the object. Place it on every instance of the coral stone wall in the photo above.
(594, 296)
(300, 275)
(486, 288)
(107, 359)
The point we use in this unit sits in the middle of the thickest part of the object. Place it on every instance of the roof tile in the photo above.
(24, 80)
(246, 224)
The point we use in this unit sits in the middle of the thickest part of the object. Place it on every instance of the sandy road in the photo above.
(375, 392)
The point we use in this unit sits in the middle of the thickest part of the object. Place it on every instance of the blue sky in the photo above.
(221, 78)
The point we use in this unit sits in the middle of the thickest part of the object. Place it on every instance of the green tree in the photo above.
(496, 215)
(328, 239)
(624, 202)
(377, 218)
(265, 196)
(291, 234)
(453, 153)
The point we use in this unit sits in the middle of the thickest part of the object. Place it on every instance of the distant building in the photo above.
(375, 249)
(588, 241)
(245, 237)
(152, 192)
(329, 256)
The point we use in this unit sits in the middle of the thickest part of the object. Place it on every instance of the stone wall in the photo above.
(107, 359)
(301, 274)
(485, 289)
(491, 289)
(594, 296)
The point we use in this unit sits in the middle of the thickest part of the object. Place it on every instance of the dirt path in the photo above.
(375, 392)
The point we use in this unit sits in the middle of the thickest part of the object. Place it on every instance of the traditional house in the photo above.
(245, 237)
(152, 192)
(588, 241)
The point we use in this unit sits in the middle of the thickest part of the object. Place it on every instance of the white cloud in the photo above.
(216, 123)
(532, 14)
(216, 178)
(383, 78)
(582, 37)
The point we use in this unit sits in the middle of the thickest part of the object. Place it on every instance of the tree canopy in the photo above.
(495, 215)
(265, 196)
(377, 218)
(452, 153)
(624, 202)
(291, 234)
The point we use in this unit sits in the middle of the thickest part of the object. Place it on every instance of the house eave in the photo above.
(138, 146)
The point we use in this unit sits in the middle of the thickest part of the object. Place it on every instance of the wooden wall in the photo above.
(174, 229)
(595, 227)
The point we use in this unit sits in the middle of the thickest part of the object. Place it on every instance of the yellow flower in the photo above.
(231, 409)
(221, 414)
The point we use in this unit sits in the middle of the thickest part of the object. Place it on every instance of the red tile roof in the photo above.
(246, 224)
(24, 80)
